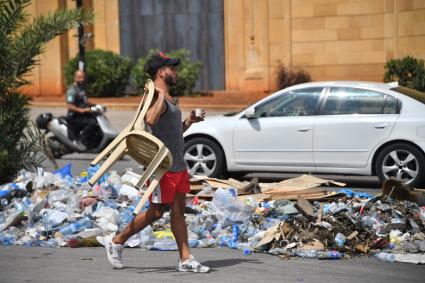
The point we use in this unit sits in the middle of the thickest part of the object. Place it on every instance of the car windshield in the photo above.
(229, 114)
(415, 94)
(236, 112)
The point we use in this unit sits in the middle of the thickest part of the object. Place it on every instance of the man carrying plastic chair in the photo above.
(164, 118)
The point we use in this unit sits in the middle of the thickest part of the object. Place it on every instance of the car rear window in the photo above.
(415, 94)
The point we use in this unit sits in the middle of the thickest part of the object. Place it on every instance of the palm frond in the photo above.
(28, 44)
(30, 147)
(12, 15)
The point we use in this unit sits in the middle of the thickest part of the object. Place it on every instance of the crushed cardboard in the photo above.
(306, 186)
(300, 183)
(395, 189)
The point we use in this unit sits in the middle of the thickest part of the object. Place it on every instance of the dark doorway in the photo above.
(196, 25)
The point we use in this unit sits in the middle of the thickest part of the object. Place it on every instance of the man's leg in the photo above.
(89, 128)
(178, 225)
(187, 262)
(154, 212)
(115, 245)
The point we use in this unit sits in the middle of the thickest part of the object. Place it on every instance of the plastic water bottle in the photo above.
(5, 193)
(340, 240)
(385, 257)
(218, 229)
(164, 245)
(51, 243)
(4, 202)
(193, 243)
(330, 255)
(226, 241)
(251, 231)
(91, 170)
(47, 223)
(246, 248)
(127, 216)
(111, 203)
(235, 233)
(205, 227)
(207, 242)
(7, 239)
(77, 226)
(306, 253)
(146, 236)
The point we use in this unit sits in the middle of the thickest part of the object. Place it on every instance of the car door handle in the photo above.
(303, 130)
(381, 126)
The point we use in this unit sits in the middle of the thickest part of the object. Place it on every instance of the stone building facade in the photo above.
(332, 39)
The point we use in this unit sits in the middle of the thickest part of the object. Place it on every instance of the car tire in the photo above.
(402, 162)
(206, 155)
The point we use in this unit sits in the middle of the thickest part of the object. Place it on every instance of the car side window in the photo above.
(345, 100)
(300, 102)
(391, 105)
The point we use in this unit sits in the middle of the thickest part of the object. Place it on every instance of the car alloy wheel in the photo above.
(204, 156)
(400, 165)
(200, 159)
(403, 162)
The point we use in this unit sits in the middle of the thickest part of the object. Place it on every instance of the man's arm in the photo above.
(156, 109)
(192, 118)
(186, 124)
(71, 107)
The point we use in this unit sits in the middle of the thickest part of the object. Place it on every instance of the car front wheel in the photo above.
(204, 157)
(402, 162)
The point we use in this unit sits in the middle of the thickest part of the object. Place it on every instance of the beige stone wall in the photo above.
(47, 78)
(332, 39)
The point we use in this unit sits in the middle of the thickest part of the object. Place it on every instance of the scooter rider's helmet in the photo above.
(43, 119)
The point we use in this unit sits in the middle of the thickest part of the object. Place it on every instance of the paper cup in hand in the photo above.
(198, 112)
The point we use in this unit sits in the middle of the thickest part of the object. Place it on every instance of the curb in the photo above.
(133, 106)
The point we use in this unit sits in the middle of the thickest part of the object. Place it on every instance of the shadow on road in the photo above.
(213, 264)
(229, 262)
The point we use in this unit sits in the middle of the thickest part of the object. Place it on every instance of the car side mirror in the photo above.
(250, 113)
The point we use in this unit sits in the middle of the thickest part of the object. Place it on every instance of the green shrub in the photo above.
(288, 77)
(407, 71)
(107, 73)
(187, 72)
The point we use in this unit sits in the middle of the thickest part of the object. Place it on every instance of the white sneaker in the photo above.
(192, 265)
(114, 252)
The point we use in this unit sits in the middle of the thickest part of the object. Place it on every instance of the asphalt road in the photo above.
(19, 264)
(120, 118)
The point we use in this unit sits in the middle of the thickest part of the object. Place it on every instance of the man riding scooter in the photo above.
(80, 111)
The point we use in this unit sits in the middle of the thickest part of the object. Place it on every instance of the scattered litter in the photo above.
(295, 217)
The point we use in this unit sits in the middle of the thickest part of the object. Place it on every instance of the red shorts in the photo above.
(170, 183)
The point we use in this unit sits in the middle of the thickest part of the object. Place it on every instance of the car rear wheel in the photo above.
(204, 157)
(402, 162)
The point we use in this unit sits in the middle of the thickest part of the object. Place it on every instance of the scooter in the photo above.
(61, 136)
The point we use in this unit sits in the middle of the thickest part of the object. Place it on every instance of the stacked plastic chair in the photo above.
(139, 144)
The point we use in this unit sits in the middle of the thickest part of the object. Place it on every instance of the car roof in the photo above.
(374, 85)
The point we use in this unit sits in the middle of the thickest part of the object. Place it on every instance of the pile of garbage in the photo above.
(56, 210)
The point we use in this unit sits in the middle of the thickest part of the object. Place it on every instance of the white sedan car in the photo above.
(355, 128)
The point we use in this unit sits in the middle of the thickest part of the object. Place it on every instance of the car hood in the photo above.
(212, 126)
